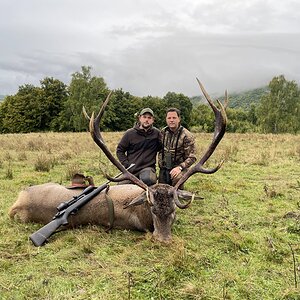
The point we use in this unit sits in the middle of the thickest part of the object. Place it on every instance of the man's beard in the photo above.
(146, 126)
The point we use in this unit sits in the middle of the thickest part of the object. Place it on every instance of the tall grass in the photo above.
(241, 242)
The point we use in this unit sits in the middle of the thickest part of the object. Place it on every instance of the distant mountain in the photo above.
(197, 100)
(245, 99)
(2, 97)
(237, 100)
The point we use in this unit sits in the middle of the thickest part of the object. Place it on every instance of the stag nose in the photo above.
(162, 239)
(165, 241)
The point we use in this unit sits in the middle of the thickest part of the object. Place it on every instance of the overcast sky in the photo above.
(151, 47)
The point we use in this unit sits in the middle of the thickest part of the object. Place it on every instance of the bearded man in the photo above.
(139, 145)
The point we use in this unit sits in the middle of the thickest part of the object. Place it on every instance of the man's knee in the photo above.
(148, 176)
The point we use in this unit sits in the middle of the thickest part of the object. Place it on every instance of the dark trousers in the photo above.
(147, 175)
(165, 177)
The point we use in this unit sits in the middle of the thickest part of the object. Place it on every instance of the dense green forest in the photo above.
(54, 106)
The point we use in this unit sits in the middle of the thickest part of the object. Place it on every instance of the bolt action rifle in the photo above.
(65, 209)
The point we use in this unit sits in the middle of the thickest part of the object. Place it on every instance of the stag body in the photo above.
(137, 206)
(38, 204)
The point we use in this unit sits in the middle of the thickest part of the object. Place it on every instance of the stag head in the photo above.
(162, 199)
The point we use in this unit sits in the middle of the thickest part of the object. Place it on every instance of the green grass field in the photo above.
(241, 242)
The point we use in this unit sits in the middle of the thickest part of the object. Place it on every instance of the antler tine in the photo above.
(95, 123)
(220, 126)
(97, 137)
(211, 103)
(101, 112)
(85, 113)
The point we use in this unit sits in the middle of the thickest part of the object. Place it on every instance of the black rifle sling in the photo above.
(111, 210)
(163, 147)
(176, 145)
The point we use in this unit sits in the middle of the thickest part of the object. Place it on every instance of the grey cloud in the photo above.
(150, 47)
(221, 61)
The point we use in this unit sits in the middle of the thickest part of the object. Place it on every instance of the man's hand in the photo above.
(175, 171)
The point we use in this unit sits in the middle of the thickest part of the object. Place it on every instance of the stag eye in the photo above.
(155, 194)
(170, 193)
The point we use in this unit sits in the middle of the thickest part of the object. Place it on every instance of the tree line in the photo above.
(54, 106)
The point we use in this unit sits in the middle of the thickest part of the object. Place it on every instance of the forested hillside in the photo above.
(237, 100)
(246, 98)
(55, 106)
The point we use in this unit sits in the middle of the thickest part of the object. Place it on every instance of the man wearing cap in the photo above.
(139, 145)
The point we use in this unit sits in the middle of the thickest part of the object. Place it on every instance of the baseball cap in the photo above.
(147, 110)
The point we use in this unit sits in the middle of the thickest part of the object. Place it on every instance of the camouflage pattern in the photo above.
(185, 153)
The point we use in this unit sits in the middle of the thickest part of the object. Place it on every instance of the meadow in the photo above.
(242, 241)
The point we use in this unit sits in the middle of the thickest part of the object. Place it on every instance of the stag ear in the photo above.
(136, 201)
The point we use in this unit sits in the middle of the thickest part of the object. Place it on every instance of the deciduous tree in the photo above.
(22, 112)
(122, 108)
(54, 94)
(84, 90)
(279, 110)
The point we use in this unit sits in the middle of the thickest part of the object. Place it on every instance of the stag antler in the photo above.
(98, 139)
(220, 126)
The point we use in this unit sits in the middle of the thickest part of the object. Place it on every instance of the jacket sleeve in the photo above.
(122, 150)
(189, 151)
(161, 148)
(160, 140)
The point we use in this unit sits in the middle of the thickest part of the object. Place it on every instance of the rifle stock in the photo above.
(61, 218)
(39, 237)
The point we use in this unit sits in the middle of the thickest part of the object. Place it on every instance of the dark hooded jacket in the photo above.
(139, 147)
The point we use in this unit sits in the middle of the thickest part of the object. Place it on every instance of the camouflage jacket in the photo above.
(184, 154)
